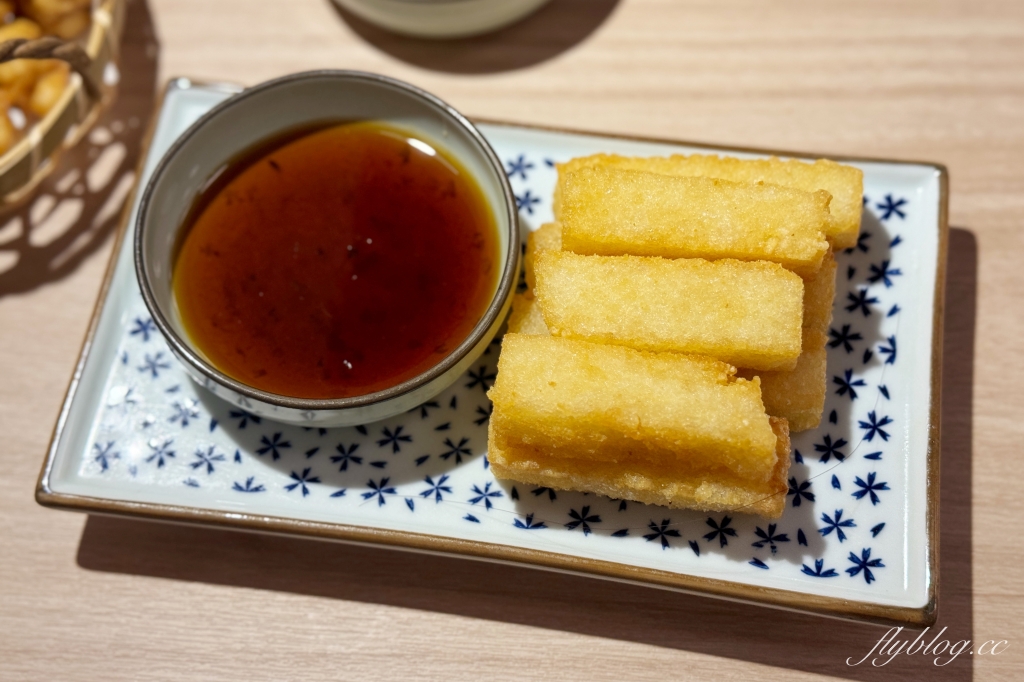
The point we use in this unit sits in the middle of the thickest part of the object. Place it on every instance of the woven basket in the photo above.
(27, 162)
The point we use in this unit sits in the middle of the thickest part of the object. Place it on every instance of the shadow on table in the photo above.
(74, 209)
(550, 31)
(594, 607)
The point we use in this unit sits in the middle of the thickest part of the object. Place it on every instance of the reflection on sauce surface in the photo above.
(336, 262)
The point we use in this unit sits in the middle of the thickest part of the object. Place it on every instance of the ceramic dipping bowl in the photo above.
(266, 110)
(440, 19)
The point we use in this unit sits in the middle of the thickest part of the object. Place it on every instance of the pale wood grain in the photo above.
(121, 600)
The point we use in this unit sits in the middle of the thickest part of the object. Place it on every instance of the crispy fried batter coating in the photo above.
(844, 183)
(798, 395)
(819, 293)
(546, 237)
(526, 317)
(613, 212)
(599, 401)
(744, 313)
(641, 481)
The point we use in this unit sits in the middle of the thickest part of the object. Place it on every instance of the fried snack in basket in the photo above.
(34, 85)
(526, 317)
(546, 237)
(598, 401)
(745, 313)
(667, 485)
(48, 88)
(844, 183)
(18, 77)
(8, 134)
(61, 18)
(613, 212)
(799, 394)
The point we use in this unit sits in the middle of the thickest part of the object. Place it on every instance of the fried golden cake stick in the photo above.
(797, 395)
(642, 481)
(844, 183)
(526, 317)
(600, 401)
(546, 237)
(612, 212)
(819, 295)
(744, 313)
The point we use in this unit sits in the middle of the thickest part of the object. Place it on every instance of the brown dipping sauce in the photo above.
(335, 262)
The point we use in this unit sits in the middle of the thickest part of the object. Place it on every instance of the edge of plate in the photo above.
(772, 597)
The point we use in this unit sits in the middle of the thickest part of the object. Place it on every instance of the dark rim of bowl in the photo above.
(505, 284)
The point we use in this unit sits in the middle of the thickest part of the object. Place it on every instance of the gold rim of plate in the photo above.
(420, 542)
(30, 159)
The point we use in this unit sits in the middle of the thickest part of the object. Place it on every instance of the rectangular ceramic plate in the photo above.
(858, 537)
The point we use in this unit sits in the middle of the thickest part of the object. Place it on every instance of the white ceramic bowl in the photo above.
(441, 18)
(261, 112)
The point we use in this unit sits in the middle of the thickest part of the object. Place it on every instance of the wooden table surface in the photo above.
(100, 599)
